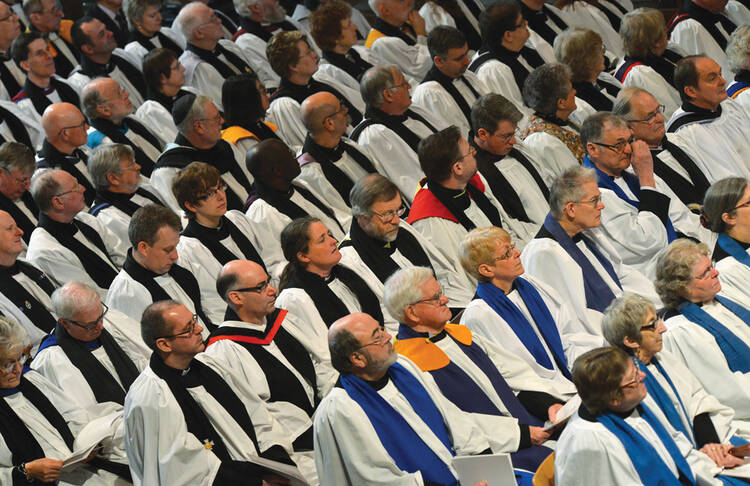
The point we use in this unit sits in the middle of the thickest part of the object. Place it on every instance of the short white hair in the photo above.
(72, 297)
(242, 7)
(187, 21)
(738, 49)
(403, 288)
(12, 336)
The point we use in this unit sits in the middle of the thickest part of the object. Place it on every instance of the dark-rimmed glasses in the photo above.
(619, 147)
(260, 288)
(189, 330)
(90, 326)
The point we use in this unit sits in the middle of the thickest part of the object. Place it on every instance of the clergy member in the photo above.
(46, 17)
(16, 167)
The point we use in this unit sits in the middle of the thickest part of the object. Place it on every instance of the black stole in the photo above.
(664, 65)
(351, 62)
(689, 192)
(327, 157)
(434, 74)
(123, 202)
(50, 157)
(118, 26)
(223, 67)
(96, 70)
(692, 114)
(20, 217)
(612, 17)
(38, 96)
(102, 383)
(510, 58)
(265, 32)
(373, 116)
(593, 95)
(376, 254)
(26, 302)
(405, 33)
(101, 271)
(283, 203)
(211, 238)
(329, 306)
(538, 22)
(63, 65)
(261, 130)
(299, 93)
(707, 19)
(117, 135)
(17, 128)
(166, 101)
(165, 41)
(182, 276)
(457, 202)
(7, 78)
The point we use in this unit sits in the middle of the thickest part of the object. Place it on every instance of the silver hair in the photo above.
(403, 289)
(738, 49)
(674, 269)
(106, 159)
(624, 318)
(43, 188)
(568, 188)
(73, 297)
(722, 197)
(196, 112)
(376, 80)
(545, 86)
(242, 7)
(622, 105)
(12, 336)
(186, 21)
(134, 10)
(14, 155)
(91, 99)
(593, 128)
(32, 6)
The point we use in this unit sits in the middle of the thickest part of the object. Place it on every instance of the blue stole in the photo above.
(598, 294)
(608, 182)
(407, 449)
(502, 305)
(733, 249)
(736, 352)
(737, 87)
(662, 399)
(6, 392)
(651, 469)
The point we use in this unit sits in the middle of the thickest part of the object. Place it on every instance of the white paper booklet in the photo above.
(496, 469)
(564, 413)
(90, 437)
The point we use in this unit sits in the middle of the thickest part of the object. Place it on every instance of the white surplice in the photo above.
(413, 61)
(433, 98)
(79, 80)
(695, 40)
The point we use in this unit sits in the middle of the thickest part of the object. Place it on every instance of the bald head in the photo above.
(58, 116)
(346, 338)
(316, 108)
(234, 272)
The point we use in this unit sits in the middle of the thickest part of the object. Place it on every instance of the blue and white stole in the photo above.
(733, 249)
(608, 182)
(505, 308)
(408, 450)
(662, 399)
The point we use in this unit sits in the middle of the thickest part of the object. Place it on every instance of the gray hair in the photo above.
(153, 323)
(545, 86)
(186, 21)
(489, 110)
(623, 106)
(242, 7)
(134, 10)
(368, 190)
(106, 159)
(624, 318)
(341, 345)
(403, 289)
(722, 197)
(12, 336)
(674, 270)
(569, 187)
(592, 129)
(738, 49)
(376, 80)
(32, 6)
(71, 298)
(43, 188)
(196, 112)
(91, 99)
(14, 155)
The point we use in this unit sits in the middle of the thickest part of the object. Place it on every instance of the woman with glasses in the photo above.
(146, 31)
(522, 315)
(710, 333)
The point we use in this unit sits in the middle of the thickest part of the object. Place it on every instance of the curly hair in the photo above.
(282, 51)
(326, 21)
(574, 47)
(674, 270)
(640, 30)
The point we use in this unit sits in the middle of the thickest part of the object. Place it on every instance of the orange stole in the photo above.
(426, 354)
(372, 37)
(235, 133)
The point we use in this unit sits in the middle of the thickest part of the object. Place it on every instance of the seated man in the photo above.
(386, 422)
(16, 167)
(24, 289)
(46, 17)
(209, 59)
(616, 438)
(110, 14)
(477, 375)
(291, 56)
(672, 163)
(100, 58)
(398, 37)
(109, 110)
(641, 213)
(572, 255)
(67, 236)
(64, 144)
(448, 90)
(199, 123)
(119, 187)
(150, 273)
(11, 74)
(186, 420)
(379, 242)
(278, 200)
(331, 163)
(393, 126)
(42, 87)
(712, 129)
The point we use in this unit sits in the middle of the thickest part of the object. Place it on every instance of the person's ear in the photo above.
(164, 345)
(113, 179)
(439, 61)
(630, 343)
(193, 208)
(25, 65)
(358, 360)
(235, 298)
(730, 218)
(87, 49)
(483, 134)
(143, 248)
(302, 258)
(485, 270)
(691, 91)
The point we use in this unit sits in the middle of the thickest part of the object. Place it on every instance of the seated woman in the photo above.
(38, 423)
(583, 52)
(617, 438)
(244, 120)
(631, 324)
(708, 332)
(649, 60)
(146, 32)
(725, 209)
(738, 54)
(549, 92)
(314, 281)
(590, 14)
(522, 315)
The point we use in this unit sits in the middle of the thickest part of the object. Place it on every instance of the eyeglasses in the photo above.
(594, 201)
(90, 326)
(507, 254)
(9, 16)
(619, 147)
(389, 215)
(505, 137)
(77, 188)
(211, 193)
(216, 119)
(342, 109)
(403, 84)
(21, 181)
(635, 381)
(10, 365)
(381, 338)
(472, 152)
(434, 300)
(651, 326)
(214, 19)
(740, 206)
(518, 26)
(189, 330)
(650, 117)
(258, 288)
(54, 10)
(131, 166)
(83, 125)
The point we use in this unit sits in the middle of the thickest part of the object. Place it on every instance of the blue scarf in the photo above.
(736, 352)
(608, 182)
(502, 305)
(733, 249)
(650, 467)
(407, 449)
(598, 294)
(661, 397)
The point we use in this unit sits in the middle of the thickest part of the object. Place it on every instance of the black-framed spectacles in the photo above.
(78, 188)
(507, 254)
(472, 151)
(83, 125)
(189, 330)
(434, 300)
(260, 288)
(211, 193)
(90, 326)
(619, 147)
(651, 326)
(739, 206)
(650, 117)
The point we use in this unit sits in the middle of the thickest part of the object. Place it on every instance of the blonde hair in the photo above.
(640, 30)
(478, 247)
